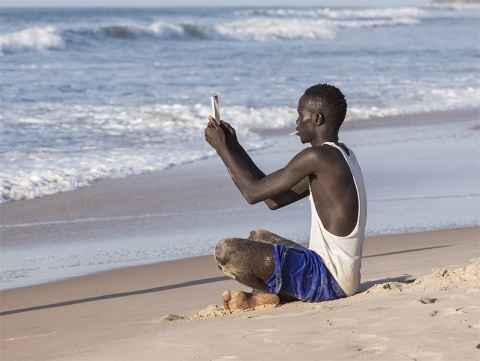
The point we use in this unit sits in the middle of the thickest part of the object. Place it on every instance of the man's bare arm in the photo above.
(296, 193)
(277, 189)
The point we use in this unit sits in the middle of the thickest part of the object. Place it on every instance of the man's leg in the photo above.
(246, 261)
(262, 235)
(250, 262)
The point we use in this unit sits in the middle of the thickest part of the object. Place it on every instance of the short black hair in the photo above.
(329, 100)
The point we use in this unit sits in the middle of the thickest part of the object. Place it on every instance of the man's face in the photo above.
(306, 125)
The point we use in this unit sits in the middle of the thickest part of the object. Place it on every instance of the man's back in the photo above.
(333, 190)
(342, 253)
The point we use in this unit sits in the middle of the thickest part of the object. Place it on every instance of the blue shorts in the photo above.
(301, 273)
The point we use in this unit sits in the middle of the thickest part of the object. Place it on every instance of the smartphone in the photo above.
(215, 109)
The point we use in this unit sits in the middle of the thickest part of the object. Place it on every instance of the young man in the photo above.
(280, 269)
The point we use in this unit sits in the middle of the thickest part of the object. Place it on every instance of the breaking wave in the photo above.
(248, 25)
(31, 39)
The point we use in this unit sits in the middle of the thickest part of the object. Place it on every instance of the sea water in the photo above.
(90, 94)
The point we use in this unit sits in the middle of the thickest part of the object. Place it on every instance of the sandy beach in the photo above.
(120, 315)
(420, 275)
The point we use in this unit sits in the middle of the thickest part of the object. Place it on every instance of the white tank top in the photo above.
(342, 255)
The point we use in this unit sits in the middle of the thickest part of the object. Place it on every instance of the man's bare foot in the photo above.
(239, 300)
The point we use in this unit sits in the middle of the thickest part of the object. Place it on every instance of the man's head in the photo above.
(328, 101)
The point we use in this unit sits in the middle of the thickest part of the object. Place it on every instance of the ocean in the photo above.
(89, 94)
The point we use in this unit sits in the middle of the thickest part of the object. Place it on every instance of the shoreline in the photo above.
(402, 120)
(372, 243)
(202, 259)
(136, 220)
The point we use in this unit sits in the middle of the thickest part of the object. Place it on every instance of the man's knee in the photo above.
(223, 251)
(257, 234)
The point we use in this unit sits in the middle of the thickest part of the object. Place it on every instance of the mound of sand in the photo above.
(209, 312)
(438, 280)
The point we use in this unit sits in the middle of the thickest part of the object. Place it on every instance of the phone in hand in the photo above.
(215, 109)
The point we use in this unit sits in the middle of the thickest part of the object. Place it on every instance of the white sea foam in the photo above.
(387, 13)
(373, 13)
(266, 29)
(31, 39)
(109, 143)
(117, 142)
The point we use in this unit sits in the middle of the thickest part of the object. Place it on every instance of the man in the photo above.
(279, 269)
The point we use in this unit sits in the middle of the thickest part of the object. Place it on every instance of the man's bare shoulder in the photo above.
(321, 158)
(321, 153)
(313, 159)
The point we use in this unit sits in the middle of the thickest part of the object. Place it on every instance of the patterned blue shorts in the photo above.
(301, 273)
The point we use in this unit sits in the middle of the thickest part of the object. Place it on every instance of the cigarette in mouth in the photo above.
(295, 132)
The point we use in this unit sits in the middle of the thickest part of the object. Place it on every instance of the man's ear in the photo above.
(319, 119)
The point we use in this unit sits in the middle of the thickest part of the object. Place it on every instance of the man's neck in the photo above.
(317, 142)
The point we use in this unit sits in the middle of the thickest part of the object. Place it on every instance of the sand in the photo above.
(419, 297)
(120, 314)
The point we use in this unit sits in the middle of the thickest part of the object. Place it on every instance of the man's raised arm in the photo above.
(245, 173)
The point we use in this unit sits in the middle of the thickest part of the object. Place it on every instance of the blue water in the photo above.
(89, 94)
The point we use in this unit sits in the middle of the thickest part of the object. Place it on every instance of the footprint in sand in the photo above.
(425, 356)
(448, 312)
(371, 350)
(370, 336)
(381, 308)
(363, 343)
(343, 322)
(425, 301)
(262, 332)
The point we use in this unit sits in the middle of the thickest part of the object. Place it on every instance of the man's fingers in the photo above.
(212, 121)
(228, 126)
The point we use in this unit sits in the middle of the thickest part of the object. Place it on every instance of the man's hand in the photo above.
(221, 135)
(215, 135)
(231, 135)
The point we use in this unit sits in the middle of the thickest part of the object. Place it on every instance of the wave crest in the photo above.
(31, 39)
(118, 31)
(267, 29)
(167, 31)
